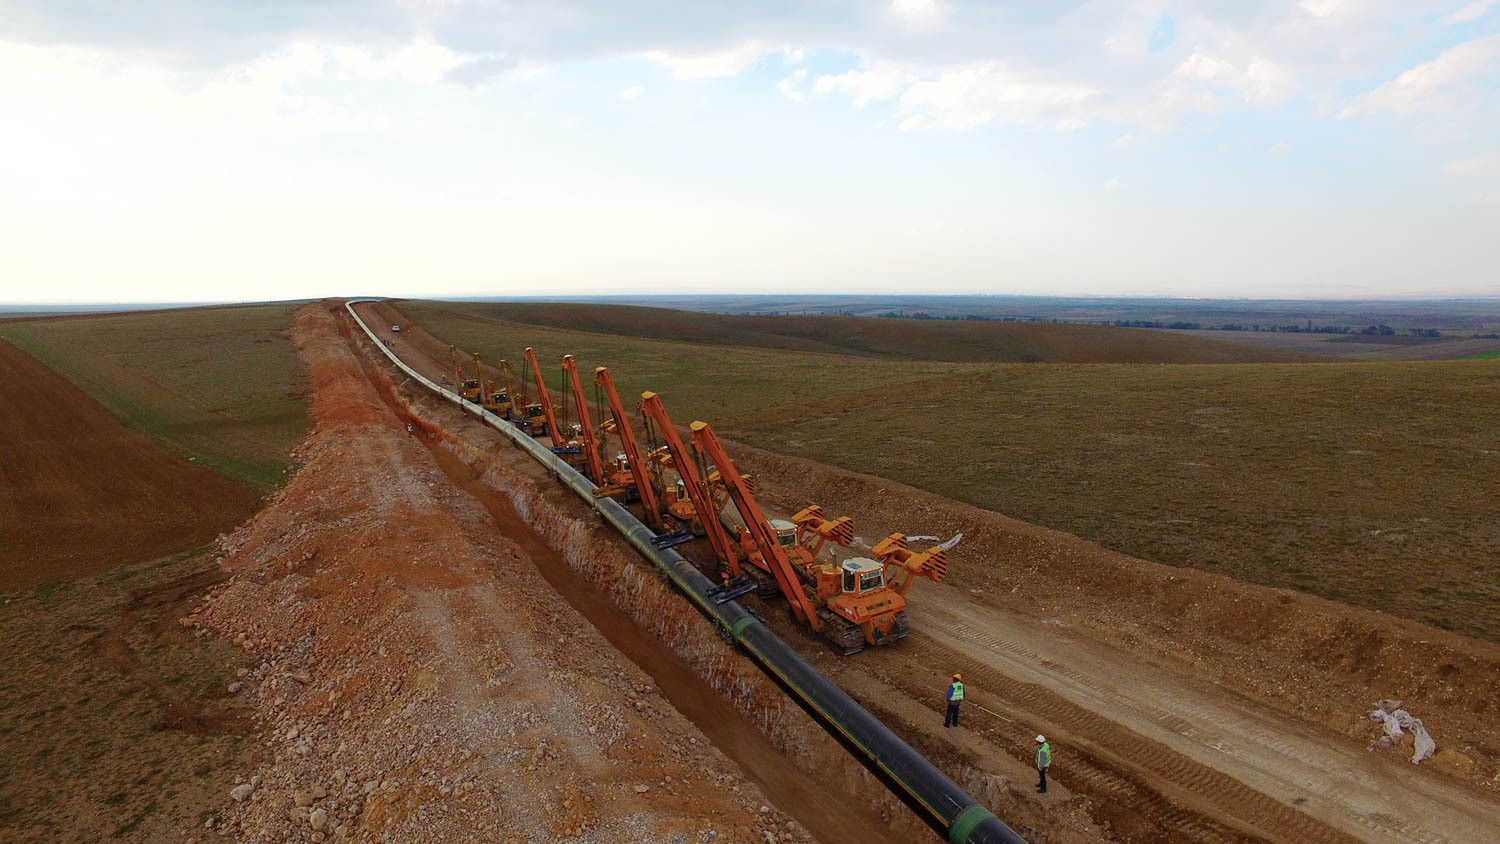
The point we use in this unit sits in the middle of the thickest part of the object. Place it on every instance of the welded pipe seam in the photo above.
(950, 810)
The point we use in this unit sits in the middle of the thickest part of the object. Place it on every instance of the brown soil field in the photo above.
(936, 340)
(220, 385)
(81, 493)
(1187, 706)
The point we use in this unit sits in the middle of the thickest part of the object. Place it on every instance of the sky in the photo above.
(218, 150)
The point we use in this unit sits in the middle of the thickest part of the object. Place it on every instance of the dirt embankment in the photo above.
(82, 493)
(420, 680)
(1318, 660)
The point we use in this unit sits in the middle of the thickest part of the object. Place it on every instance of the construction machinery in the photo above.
(850, 602)
(561, 445)
(628, 471)
(537, 417)
(584, 429)
(468, 388)
(491, 399)
(700, 512)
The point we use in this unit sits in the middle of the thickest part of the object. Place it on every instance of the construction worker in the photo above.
(1043, 762)
(408, 429)
(955, 697)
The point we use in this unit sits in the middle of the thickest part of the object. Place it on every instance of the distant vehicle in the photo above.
(396, 328)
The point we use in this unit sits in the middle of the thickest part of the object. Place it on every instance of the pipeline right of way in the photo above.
(948, 809)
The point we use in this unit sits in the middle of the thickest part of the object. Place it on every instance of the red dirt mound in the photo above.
(82, 493)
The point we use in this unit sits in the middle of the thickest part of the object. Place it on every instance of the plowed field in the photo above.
(81, 493)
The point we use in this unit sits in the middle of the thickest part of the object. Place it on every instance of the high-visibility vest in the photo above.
(955, 692)
(1044, 755)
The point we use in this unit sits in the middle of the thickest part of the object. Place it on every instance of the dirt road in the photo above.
(1154, 745)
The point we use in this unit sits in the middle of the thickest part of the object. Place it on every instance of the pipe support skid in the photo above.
(948, 809)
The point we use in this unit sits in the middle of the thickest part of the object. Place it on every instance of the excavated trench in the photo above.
(829, 812)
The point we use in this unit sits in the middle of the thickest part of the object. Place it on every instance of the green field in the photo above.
(1495, 355)
(222, 386)
(1377, 484)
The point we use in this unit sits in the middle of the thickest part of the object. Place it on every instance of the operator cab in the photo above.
(622, 462)
(862, 574)
(786, 532)
(681, 490)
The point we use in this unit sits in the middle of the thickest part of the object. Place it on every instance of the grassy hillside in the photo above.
(935, 340)
(219, 385)
(1377, 484)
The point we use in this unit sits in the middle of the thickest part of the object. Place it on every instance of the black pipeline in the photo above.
(939, 801)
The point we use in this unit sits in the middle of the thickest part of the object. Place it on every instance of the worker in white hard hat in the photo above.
(1043, 762)
(955, 697)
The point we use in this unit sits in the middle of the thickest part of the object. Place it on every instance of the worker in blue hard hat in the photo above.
(955, 697)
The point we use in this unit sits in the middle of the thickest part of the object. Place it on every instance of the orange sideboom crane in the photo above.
(759, 526)
(590, 444)
(697, 489)
(632, 448)
(558, 440)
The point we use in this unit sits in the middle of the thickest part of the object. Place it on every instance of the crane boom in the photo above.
(632, 448)
(759, 526)
(590, 443)
(558, 440)
(697, 489)
(506, 376)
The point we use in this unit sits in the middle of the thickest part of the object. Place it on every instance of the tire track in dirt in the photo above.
(1116, 767)
(171, 601)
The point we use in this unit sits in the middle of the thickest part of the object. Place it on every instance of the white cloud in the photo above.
(973, 96)
(1257, 79)
(1114, 184)
(284, 93)
(631, 93)
(1281, 148)
(791, 86)
(1466, 166)
(710, 65)
(919, 14)
(882, 82)
(422, 61)
(1469, 13)
(1435, 86)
